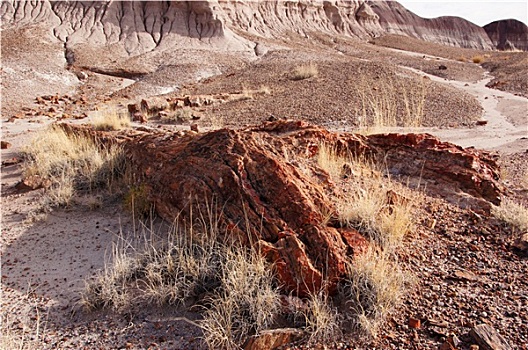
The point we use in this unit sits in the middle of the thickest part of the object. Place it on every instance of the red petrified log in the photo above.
(264, 198)
(267, 191)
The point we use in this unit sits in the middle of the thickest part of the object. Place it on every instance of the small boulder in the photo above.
(81, 75)
(5, 145)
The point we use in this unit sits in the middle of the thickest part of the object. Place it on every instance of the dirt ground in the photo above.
(466, 270)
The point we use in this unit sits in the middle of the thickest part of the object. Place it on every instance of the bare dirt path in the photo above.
(506, 117)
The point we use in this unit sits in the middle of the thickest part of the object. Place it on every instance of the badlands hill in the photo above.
(508, 34)
(45, 43)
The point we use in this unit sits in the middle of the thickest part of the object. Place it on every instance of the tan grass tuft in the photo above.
(323, 322)
(242, 299)
(478, 59)
(246, 303)
(71, 163)
(331, 161)
(377, 206)
(373, 288)
(111, 120)
(512, 213)
(305, 71)
(389, 104)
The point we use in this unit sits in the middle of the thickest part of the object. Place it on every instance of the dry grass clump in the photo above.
(478, 59)
(193, 262)
(390, 103)
(109, 287)
(512, 213)
(71, 163)
(329, 159)
(110, 120)
(246, 303)
(379, 212)
(323, 320)
(382, 210)
(374, 286)
(376, 206)
(304, 71)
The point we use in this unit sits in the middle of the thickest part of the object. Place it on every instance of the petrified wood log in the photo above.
(268, 192)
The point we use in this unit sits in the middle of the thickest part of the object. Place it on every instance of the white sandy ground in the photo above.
(51, 257)
(506, 115)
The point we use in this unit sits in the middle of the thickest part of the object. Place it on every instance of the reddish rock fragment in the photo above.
(488, 338)
(11, 161)
(415, 323)
(272, 339)
(31, 183)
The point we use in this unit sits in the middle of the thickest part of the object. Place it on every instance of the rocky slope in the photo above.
(508, 34)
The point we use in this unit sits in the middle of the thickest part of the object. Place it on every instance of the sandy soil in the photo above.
(505, 114)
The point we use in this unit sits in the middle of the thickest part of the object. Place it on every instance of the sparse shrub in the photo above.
(372, 212)
(477, 59)
(111, 120)
(331, 161)
(375, 205)
(305, 71)
(373, 287)
(246, 302)
(512, 213)
(71, 163)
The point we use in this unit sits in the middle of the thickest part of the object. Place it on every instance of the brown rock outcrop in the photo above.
(262, 197)
(508, 34)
